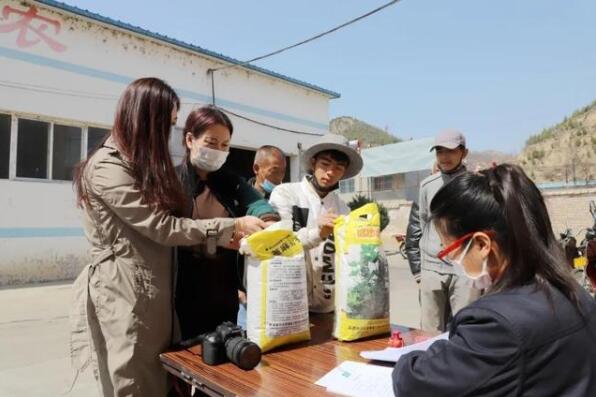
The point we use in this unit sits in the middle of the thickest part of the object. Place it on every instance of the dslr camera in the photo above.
(228, 343)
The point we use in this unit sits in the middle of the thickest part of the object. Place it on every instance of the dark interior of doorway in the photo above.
(240, 162)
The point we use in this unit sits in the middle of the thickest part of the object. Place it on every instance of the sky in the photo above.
(497, 70)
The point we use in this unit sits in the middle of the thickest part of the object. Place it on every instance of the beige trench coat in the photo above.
(122, 313)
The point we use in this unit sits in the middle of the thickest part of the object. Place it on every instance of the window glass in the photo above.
(383, 183)
(32, 149)
(347, 186)
(67, 151)
(4, 145)
(95, 137)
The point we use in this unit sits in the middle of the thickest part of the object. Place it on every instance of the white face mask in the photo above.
(480, 281)
(208, 159)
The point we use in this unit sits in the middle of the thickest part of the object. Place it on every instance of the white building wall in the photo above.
(81, 85)
(100, 60)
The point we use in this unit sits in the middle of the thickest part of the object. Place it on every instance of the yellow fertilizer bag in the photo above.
(361, 276)
(277, 298)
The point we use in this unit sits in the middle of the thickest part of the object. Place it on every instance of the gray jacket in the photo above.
(430, 244)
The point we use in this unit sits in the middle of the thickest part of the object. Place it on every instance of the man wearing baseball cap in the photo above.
(442, 292)
(313, 205)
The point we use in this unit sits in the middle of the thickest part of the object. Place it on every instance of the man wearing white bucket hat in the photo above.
(313, 205)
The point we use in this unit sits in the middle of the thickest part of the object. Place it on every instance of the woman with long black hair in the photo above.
(132, 202)
(534, 330)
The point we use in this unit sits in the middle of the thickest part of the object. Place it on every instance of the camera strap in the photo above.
(211, 243)
(195, 340)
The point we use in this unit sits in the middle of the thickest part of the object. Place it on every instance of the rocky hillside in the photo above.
(353, 128)
(564, 152)
(486, 158)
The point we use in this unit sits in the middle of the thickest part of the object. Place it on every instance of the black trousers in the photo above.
(206, 291)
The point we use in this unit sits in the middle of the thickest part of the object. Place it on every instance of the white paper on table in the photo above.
(393, 354)
(359, 380)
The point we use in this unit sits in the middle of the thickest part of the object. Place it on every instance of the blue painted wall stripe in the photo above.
(29, 232)
(117, 78)
(65, 66)
(251, 109)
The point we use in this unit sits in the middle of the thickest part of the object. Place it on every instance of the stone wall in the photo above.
(569, 208)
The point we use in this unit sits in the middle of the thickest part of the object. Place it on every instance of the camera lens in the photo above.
(242, 352)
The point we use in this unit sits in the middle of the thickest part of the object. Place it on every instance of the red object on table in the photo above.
(396, 340)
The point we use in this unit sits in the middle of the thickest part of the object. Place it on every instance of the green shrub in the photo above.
(542, 136)
(360, 200)
(537, 154)
(568, 123)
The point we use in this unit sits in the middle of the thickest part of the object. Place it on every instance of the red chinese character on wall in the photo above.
(32, 28)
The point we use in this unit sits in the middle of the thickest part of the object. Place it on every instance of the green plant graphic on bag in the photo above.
(362, 276)
(366, 297)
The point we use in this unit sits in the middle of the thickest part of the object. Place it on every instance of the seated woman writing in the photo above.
(534, 330)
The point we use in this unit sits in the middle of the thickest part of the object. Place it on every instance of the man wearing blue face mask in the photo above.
(270, 168)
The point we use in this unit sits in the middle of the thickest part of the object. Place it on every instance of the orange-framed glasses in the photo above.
(454, 245)
(459, 242)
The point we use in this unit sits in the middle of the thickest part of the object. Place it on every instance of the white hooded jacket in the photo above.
(300, 203)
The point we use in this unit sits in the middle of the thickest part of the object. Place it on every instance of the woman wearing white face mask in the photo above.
(480, 279)
(534, 331)
(208, 277)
